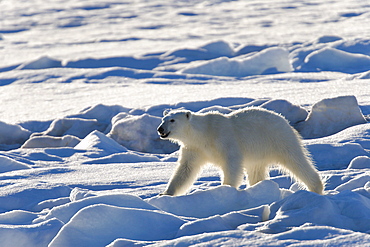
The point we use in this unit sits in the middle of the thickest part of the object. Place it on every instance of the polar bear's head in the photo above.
(174, 124)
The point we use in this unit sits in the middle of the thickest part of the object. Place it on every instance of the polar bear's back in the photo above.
(261, 129)
(253, 130)
(257, 118)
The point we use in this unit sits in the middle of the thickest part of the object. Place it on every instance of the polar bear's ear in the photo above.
(166, 111)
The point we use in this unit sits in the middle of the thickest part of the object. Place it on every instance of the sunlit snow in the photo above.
(83, 85)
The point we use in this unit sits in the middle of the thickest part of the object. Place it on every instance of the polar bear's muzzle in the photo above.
(162, 132)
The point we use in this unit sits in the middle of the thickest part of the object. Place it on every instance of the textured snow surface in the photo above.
(83, 86)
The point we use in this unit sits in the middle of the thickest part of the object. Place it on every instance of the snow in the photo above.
(338, 211)
(219, 200)
(359, 162)
(41, 63)
(83, 87)
(115, 222)
(339, 61)
(12, 134)
(138, 133)
(329, 116)
(8, 164)
(269, 60)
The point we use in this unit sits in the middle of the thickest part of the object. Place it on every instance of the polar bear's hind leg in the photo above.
(300, 167)
(256, 172)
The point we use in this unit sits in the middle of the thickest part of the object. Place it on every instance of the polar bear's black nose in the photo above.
(160, 129)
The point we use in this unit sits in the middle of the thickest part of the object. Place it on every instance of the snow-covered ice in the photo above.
(104, 191)
(83, 87)
(269, 60)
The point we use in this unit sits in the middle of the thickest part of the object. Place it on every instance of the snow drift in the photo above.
(91, 177)
(102, 192)
(267, 61)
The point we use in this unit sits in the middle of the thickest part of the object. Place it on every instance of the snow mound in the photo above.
(17, 217)
(12, 135)
(44, 62)
(268, 60)
(66, 211)
(226, 222)
(330, 116)
(28, 198)
(292, 113)
(305, 235)
(219, 200)
(78, 127)
(335, 156)
(29, 235)
(357, 182)
(360, 162)
(208, 51)
(102, 113)
(113, 213)
(139, 133)
(328, 39)
(346, 210)
(331, 59)
(220, 48)
(50, 141)
(111, 222)
(100, 142)
(8, 164)
(359, 134)
(356, 45)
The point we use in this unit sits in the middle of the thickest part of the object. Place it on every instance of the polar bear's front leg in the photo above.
(190, 163)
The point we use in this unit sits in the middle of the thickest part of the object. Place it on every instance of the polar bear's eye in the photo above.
(172, 120)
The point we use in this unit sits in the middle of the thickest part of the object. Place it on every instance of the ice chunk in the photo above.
(99, 225)
(139, 133)
(329, 116)
(274, 58)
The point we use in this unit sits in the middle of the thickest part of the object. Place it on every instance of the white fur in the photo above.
(244, 141)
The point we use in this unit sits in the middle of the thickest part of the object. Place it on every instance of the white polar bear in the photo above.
(247, 140)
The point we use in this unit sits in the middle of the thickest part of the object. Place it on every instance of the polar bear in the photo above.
(246, 141)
